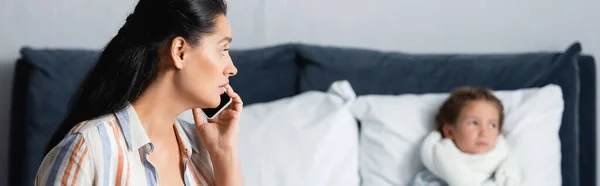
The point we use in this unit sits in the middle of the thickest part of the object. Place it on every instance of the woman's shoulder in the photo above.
(91, 130)
(75, 152)
(95, 131)
(90, 127)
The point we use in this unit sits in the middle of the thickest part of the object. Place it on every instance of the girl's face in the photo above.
(476, 128)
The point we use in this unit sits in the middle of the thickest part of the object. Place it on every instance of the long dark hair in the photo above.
(128, 63)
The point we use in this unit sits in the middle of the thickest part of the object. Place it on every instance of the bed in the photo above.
(45, 78)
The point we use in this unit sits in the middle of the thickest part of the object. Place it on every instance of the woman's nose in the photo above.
(231, 70)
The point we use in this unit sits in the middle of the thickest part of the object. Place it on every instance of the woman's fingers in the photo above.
(237, 103)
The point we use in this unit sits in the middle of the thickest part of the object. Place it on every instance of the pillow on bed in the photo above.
(393, 128)
(308, 139)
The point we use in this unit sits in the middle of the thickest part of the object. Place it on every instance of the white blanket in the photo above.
(447, 162)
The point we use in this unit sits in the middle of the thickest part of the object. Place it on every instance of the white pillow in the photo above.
(309, 139)
(393, 127)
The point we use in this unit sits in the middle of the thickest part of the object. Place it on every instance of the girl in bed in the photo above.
(467, 149)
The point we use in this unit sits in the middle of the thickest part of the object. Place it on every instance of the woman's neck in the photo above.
(157, 109)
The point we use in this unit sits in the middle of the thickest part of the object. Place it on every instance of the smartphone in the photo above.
(210, 113)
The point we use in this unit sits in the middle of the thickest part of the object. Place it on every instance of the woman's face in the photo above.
(476, 128)
(206, 67)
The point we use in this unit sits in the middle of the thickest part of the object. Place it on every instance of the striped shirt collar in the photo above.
(136, 137)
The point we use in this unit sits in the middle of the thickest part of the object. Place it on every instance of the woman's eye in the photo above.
(224, 51)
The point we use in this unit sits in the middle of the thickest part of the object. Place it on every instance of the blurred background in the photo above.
(429, 26)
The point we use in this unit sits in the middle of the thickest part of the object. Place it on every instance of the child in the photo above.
(467, 149)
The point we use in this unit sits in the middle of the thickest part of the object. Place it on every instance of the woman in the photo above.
(169, 56)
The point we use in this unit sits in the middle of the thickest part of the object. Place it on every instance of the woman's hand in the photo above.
(219, 136)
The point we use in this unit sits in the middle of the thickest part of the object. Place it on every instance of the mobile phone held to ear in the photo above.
(210, 113)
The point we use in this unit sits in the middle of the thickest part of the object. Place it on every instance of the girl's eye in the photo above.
(492, 126)
(472, 122)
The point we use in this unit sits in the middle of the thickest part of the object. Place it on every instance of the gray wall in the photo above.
(437, 26)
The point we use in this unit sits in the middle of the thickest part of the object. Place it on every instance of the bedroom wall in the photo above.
(436, 26)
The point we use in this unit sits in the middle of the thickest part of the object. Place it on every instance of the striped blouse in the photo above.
(114, 150)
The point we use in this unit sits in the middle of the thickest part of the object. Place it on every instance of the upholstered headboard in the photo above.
(46, 78)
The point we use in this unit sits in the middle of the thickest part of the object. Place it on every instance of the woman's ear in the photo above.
(177, 51)
(447, 130)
